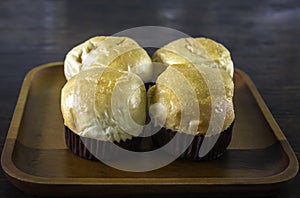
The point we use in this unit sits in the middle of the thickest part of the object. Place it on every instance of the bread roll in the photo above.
(199, 51)
(104, 104)
(194, 99)
(121, 53)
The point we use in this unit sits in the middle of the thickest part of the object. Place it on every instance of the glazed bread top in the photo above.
(104, 104)
(193, 99)
(105, 96)
(121, 53)
(199, 51)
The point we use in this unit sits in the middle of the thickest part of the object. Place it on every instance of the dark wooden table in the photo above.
(263, 36)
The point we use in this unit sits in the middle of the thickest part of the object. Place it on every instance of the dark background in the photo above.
(263, 36)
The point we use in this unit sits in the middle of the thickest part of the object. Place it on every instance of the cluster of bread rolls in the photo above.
(105, 97)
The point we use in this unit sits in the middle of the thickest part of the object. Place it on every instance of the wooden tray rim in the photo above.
(13, 172)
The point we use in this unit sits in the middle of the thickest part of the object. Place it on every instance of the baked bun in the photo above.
(196, 102)
(121, 53)
(193, 97)
(182, 88)
(199, 51)
(104, 104)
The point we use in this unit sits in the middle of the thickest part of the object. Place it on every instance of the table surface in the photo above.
(263, 37)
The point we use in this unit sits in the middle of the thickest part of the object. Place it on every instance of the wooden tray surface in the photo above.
(36, 160)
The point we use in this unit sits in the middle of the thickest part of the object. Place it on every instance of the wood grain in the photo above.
(263, 37)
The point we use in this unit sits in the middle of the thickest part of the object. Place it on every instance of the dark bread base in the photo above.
(162, 137)
(89, 148)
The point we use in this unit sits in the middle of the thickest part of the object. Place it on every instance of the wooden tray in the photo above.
(36, 160)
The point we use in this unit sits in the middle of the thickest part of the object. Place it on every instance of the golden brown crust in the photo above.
(162, 93)
(194, 51)
(199, 74)
(121, 53)
(91, 100)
